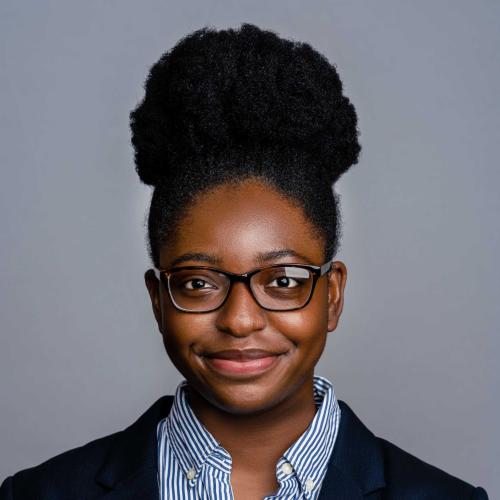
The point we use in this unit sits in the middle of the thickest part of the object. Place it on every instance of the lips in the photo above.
(241, 355)
(244, 363)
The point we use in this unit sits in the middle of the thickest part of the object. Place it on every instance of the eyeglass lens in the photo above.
(278, 288)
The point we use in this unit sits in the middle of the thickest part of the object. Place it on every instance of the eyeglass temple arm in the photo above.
(325, 267)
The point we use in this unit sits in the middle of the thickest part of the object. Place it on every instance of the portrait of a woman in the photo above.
(242, 135)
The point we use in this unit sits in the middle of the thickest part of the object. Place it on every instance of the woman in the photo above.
(242, 134)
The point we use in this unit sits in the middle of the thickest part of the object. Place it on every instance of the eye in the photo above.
(197, 284)
(284, 282)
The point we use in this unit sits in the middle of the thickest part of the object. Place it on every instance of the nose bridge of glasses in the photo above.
(244, 279)
(235, 278)
(234, 297)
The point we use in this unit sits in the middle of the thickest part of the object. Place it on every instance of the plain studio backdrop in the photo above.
(416, 352)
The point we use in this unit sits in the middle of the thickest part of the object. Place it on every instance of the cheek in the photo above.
(307, 328)
(181, 331)
(309, 322)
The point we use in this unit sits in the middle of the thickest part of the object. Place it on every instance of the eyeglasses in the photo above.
(281, 287)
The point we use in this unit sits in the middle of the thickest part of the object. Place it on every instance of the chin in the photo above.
(242, 407)
(244, 399)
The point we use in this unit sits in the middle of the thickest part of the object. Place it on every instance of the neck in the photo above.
(257, 441)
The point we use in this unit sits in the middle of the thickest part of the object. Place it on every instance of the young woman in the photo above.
(242, 134)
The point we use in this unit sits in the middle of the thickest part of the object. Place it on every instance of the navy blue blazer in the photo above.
(123, 466)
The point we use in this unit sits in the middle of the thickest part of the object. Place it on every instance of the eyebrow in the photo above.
(262, 257)
(200, 256)
(266, 257)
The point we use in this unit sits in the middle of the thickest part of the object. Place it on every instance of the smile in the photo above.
(241, 364)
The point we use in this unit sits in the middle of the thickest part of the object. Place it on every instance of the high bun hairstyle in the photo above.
(224, 106)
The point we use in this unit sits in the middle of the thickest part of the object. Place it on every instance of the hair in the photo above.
(237, 104)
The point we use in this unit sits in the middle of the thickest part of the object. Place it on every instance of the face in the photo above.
(238, 228)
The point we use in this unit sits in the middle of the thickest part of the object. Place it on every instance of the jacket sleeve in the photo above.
(6, 490)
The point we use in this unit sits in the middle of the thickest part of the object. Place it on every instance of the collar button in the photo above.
(309, 485)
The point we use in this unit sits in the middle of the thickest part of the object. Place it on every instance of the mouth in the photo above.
(242, 363)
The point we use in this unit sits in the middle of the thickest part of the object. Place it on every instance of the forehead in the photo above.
(237, 222)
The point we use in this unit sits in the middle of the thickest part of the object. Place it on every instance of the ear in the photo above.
(155, 293)
(337, 278)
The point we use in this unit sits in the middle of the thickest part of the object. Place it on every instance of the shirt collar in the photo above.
(309, 455)
(193, 444)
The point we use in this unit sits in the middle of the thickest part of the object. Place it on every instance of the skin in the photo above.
(256, 418)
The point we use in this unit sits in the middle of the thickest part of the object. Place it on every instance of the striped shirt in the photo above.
(193, 465)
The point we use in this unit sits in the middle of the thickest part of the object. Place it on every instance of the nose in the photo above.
(240, 315)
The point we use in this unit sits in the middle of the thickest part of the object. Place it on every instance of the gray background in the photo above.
(416, 353)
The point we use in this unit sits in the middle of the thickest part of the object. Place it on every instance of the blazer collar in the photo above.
(129, 471)
(130, 467)
(356, 467)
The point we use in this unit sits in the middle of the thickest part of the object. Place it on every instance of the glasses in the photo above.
(281, 287)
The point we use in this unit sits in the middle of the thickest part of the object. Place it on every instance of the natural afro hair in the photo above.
(228, 105)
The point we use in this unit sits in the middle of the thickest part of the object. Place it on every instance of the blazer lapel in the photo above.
(356, 468)
(130, 469)
(142, 485)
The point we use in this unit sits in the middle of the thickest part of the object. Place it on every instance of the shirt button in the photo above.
(286, 468)
(309, 485)
(190, 474)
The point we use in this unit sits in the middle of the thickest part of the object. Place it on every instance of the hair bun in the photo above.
(244, 89)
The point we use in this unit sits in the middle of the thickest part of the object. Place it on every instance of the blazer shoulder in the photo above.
(73, 473)
(60, 473)
(410, 477)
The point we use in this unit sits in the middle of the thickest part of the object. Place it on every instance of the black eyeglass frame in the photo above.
(163, 276)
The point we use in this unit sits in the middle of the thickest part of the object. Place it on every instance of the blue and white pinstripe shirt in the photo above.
(193, 465)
